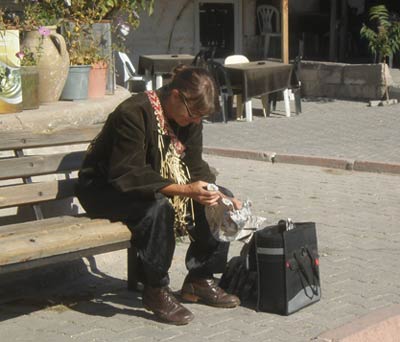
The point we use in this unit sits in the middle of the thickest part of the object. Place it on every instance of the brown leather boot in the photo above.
(208, 292)
(165, 306)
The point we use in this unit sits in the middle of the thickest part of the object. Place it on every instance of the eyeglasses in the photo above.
(187, 107)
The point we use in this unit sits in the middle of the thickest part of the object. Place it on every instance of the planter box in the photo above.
(343, 81)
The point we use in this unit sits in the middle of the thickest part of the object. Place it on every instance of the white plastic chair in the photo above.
(130, 75)
(235, 59)
(269, 24)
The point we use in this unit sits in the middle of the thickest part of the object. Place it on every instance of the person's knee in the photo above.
(163, 203)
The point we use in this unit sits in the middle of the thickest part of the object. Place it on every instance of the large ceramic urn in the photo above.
(53, 64)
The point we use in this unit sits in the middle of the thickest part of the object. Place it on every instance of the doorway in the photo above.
(218, 25)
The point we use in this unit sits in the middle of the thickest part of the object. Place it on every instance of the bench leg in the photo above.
(132, 269)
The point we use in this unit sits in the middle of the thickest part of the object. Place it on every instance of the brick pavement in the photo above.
(359, 239)
(326, 128)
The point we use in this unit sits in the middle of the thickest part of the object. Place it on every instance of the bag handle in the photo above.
(312, 283)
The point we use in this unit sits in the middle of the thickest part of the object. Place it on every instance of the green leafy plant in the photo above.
(383, 37)
(123, 14)
(39, 13)
(9, 20)
(79, 17)
(29, 57)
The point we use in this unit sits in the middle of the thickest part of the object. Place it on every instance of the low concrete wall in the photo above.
(63, 114)
(343, 81)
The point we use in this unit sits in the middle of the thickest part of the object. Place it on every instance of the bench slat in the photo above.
(28, 227)
(26, 265)
(40, 165)
(21, 140)
(73, 237)
(46, 241)
(11, 196)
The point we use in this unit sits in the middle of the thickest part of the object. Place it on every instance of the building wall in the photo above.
(171, 28)
(164, 31)
(168, 32)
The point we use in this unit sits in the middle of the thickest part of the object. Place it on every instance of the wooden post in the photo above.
(285, 30)
(332, 32)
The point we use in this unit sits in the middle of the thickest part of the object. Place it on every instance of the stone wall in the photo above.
(343, 81)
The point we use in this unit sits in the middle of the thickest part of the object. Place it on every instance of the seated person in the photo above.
(145, 168)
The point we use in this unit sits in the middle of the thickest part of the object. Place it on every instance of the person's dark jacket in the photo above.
(125, 158)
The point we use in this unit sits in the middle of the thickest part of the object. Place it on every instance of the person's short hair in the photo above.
(198, 87)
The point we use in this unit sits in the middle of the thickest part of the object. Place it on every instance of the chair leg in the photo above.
(287, 102)
(149, 80)
(224, 107)
(266, 45)
(132, 268)
(297, 100)
(229, 113)
(265, 104)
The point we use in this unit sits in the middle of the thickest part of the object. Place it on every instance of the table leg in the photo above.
(148, 78)
(265, 104)
(287, 102)
(239, 107)
(159, 81)
(248, 110)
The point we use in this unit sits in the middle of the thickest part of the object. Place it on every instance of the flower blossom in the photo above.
(20, 54)
(44, 31)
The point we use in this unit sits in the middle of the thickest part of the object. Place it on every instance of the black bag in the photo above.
(278, 270)
(286, 258)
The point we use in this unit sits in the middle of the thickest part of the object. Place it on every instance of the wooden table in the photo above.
(158, 65)
(259, 78)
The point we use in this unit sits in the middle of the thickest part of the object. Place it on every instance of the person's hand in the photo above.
(236, 203)
(198, 192)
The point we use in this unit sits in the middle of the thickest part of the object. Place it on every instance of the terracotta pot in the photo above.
(53, 64)
(97, 81)
(102, 34)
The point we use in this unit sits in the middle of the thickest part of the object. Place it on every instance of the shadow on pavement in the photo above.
(70, 286)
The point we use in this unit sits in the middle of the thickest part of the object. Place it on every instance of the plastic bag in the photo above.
(228, 224)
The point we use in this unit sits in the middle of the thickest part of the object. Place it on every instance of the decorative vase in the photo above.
(97, 80)
(76, 86)
(53, 64)
(30, 87)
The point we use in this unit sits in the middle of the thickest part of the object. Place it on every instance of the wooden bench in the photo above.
(31, 180)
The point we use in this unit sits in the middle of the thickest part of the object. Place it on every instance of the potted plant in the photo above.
(383, 38)
(98, 73)
(84, 26)
(29, 77)
(40, 22)
(77, 30)
(10, 79)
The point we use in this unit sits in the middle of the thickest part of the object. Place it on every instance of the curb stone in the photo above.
(379, 325)
(335, 163)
